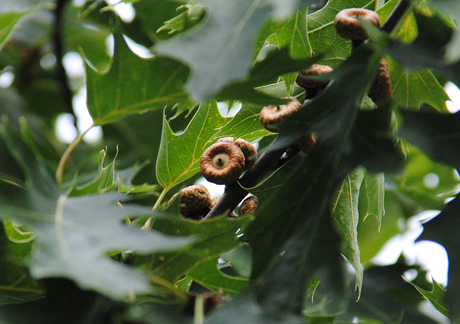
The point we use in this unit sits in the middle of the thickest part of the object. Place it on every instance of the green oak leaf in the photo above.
(219, 50)
(216, 236)
(190, 17)
(134, 85)
(10, 20)
(73, 234)
(381, 297)
(108, 179)
(375, 196)
(302, 229)
(435, 296)
(451, 8)
(434, 133)
(209, 275)
(179, 155)
(346, 215)
(16, 285)
(439, 230)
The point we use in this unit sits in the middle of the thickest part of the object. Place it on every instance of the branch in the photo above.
(59, 52)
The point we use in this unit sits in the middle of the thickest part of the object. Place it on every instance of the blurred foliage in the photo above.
(71, 245)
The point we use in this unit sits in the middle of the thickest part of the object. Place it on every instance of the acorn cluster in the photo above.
(224, 161)
(348, 25)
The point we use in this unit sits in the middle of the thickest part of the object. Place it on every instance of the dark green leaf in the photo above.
(346, 216)
(436, 134)
(219, 50)
(435, 296)
(134, 85)
(439, 230)
(216, 236)
(208, 275)
(74, 233)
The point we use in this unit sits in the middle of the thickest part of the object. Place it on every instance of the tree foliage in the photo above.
(83, 240)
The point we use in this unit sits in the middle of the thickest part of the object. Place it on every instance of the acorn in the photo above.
(248, 206)
(381, 89)
(271, 116)
(304, 80)
(249, 151)
(195, 201)
(306, 142)
(222, 163)
(348, 26)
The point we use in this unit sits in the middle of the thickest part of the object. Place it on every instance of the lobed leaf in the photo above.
(134, 85)
(219, 50)
(209, 275)
(73, 234)
(346, 215)
(179, 155)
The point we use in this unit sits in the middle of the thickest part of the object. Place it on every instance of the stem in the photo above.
(198, 317)
(170, 286)
(395, 16)
(148, 223)
(66, 155)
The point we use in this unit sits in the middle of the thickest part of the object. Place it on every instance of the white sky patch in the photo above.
(74, 65)
(65, 128)
(430, 255)
(454, 93)
(6, 79)
(124, 10)
(84, 119)
(138, 49)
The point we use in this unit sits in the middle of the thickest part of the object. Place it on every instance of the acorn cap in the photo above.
(248, 206)
(381, 89)
(222, 163)
(195, 201)
(306, 142)
(307, 83)
(249, 151)
(348, 26)
(271, 116)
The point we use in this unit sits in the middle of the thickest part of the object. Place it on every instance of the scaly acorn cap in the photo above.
(271, 116)
(306, 142)
(195, 201)
(348, 26)
(222, 163)
(248, 206)
(381, 89)
(307, 83)
(249, 151)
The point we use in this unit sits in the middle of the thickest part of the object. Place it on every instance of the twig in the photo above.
(59, 52)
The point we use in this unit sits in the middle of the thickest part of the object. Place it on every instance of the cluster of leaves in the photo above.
(71, 245)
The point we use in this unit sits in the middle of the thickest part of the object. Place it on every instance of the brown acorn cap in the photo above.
(270, 116)
(381, 89)
(249, 151)
(226, 140)
(195, 201)
(307, 83)
(222, 163)
(306, 142)
(248, 206)
(347, 25)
